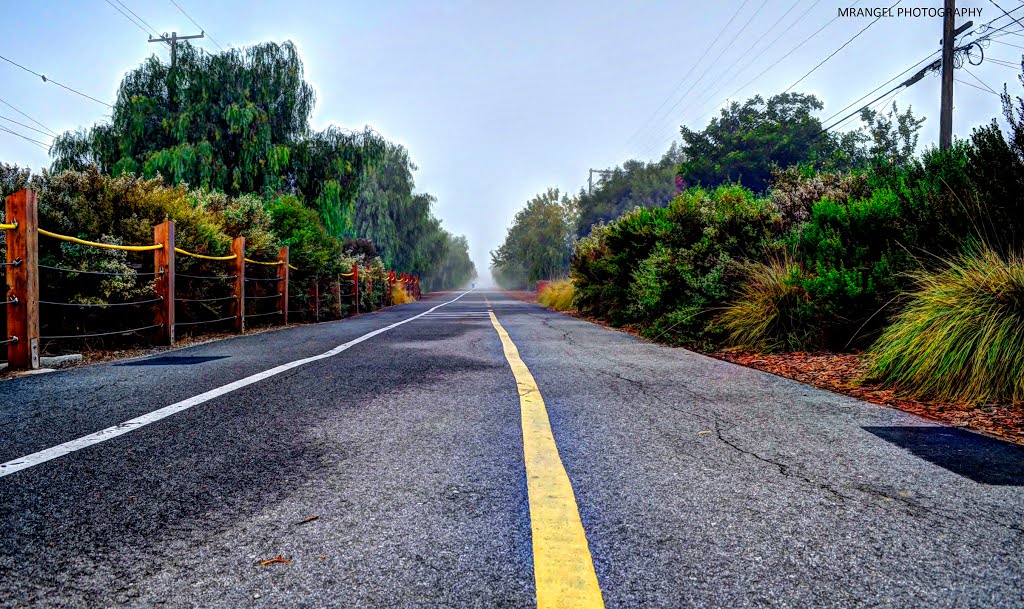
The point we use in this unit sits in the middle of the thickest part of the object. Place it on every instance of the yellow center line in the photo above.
(562, 566)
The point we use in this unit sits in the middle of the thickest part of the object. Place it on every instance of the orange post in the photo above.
(163, 266)
(282, 284)
(22, 281)
(238, 270)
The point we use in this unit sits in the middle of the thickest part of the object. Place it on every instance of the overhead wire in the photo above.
(50, 80)
(775, 63)
(682, 80)
(148, 32)
(15, 133)
(1007, 14)
(841, 47)
(136, 15)
(729, 81)
(8, 104)
(29, 127)
(178, 6)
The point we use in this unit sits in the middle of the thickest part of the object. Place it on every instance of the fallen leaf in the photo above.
(273, 560)
(703, 433)
(310, 519)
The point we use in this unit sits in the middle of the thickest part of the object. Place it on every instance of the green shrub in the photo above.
(772, 311)
(961, 337)
(557, 295)
(666, 269)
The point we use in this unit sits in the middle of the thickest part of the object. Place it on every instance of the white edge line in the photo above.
(120, 429)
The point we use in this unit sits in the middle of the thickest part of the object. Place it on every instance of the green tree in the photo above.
(634, 184)
(236, 121)
(539, 242)
(747, 140)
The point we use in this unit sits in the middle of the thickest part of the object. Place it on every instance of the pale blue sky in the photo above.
(499, 100)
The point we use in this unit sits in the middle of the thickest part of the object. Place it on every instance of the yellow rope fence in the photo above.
(108, 246)
(204, 256)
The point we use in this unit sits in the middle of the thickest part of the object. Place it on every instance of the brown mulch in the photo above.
(842, 373)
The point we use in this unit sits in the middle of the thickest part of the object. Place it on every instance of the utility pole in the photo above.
(601, 174)
(948, 41)
(172, 41)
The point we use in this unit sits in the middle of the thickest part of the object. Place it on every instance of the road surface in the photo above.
(404, 459)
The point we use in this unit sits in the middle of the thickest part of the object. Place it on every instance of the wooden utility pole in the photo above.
(172, 41)
(948, 42)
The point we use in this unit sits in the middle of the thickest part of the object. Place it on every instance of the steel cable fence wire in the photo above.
(214, 299)
(98, 334)
(109, 304)
(104, 273)
(203, 322)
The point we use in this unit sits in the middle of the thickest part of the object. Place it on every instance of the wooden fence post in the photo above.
(163, 283)
(22, 281)
(282, 284)
(336, 296)
(238, 305)
(355, 285)
(314, 296)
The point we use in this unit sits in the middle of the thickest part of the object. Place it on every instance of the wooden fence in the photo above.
(22, 301)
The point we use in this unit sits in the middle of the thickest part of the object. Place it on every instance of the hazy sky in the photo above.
(499, 100)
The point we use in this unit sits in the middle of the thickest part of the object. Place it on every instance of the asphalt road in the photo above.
(698, 483)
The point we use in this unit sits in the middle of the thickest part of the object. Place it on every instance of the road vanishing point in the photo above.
(472, 450)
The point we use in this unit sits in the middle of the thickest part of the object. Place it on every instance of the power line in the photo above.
(762, 51)
(679, 85)
(1007, 14)
(178, 6)
(125, 15)
(45, 79)
(985, 89)
(25, 126)
(1016, 46)
(983, 83)
(136, 15)
(838, 112)
(715, 60)
(6, 103)
(774, 64)
(843, 46)
(36, 142)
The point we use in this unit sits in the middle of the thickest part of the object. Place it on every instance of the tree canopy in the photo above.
(539, 242)
(238, 122)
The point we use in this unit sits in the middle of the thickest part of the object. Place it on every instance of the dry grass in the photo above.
(557, 295)
(399, 296)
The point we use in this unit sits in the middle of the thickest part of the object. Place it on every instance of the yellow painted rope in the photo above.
(346, 274)
(8, 226)
(292, 267)
(126, 248)
(203, 256)
(274, 263)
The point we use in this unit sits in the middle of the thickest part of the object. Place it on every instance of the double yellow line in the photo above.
(562, 566)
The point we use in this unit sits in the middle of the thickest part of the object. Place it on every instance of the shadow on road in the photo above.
(971, 455)
(173, 360)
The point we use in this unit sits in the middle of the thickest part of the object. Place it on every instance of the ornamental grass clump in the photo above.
(557, 295)
(961, 337)
(771, 310)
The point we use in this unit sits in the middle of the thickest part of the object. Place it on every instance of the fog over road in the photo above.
(429, 464)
